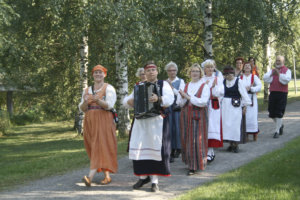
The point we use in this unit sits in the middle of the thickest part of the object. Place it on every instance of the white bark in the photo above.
(83, 80)
(208, 38)
(122, 88)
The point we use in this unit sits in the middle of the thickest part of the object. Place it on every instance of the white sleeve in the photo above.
(167, 95)
(125, 100)
(203, 100)
(218, 90)
(267, 77)
(257, 84)
(110, 96)
(81, 102)
(246, 101)
(285, 78)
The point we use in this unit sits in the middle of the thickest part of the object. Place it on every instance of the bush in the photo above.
(27, 117)
(4, 122)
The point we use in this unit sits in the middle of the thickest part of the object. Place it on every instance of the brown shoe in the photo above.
(87, 181)
(105, 181)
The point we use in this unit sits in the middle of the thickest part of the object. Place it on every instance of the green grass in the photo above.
(273, 176)
(292, 97)
(39, 150)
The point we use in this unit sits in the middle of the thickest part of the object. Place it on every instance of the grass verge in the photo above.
(273, 176)
(38, 150)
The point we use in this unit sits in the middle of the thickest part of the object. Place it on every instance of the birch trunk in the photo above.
(267, 67)
(208, 30)
(83, 81)
(122, 89)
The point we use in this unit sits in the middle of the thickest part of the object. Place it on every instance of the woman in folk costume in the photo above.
(255, 70)
(174, 110)
(253, 86)
(233, 104)
(239, 63)
(193, 124)
(215, 138)
(150, 143)
(99, 127)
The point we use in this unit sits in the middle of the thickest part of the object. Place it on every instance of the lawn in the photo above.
(39, 150)
(270, 177)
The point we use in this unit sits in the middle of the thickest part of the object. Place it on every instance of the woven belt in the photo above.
(94, 107)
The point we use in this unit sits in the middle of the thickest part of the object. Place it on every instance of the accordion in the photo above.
(142, 107)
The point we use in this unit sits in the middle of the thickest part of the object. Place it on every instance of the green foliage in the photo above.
(40, 41)
(4, 122)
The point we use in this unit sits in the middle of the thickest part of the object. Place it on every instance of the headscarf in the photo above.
(101, 68)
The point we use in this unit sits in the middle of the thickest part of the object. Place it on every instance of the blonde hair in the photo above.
(138, 72)
(196, 65)
(208, 62)
(171, 64)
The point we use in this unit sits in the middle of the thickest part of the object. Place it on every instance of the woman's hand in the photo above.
(184, 95)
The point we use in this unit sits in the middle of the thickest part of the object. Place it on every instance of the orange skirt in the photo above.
(100, 140)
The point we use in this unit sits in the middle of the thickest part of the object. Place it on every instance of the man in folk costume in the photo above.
(279, 78)
(150, 143)
(253, 86)
(215, 83)
(193, 121)
(174, 110)
(233, 104)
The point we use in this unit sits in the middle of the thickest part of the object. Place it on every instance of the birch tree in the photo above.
(208, 37)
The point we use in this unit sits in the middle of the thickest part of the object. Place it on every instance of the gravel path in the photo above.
(69, 186)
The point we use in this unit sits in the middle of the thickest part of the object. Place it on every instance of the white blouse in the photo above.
(256, 83)
(192, 90)
(218, 90)
(110, 96)
(283, 78)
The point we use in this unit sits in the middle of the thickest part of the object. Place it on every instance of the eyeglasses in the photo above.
(172, 70)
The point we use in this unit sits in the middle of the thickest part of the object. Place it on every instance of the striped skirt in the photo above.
(194, 128)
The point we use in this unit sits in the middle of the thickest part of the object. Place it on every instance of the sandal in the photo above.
(105, 181)
(87, 181)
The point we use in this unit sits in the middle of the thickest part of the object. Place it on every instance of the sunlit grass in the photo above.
(38, 150)
(272, 176)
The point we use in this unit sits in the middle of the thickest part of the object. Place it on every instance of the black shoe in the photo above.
(210, 158)
(230, 148)
(235, 149)
(177, 154)
(141, 182)
(276, 135)
(281, 130)
(171, 159)
(154, 187)
(191, 172)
